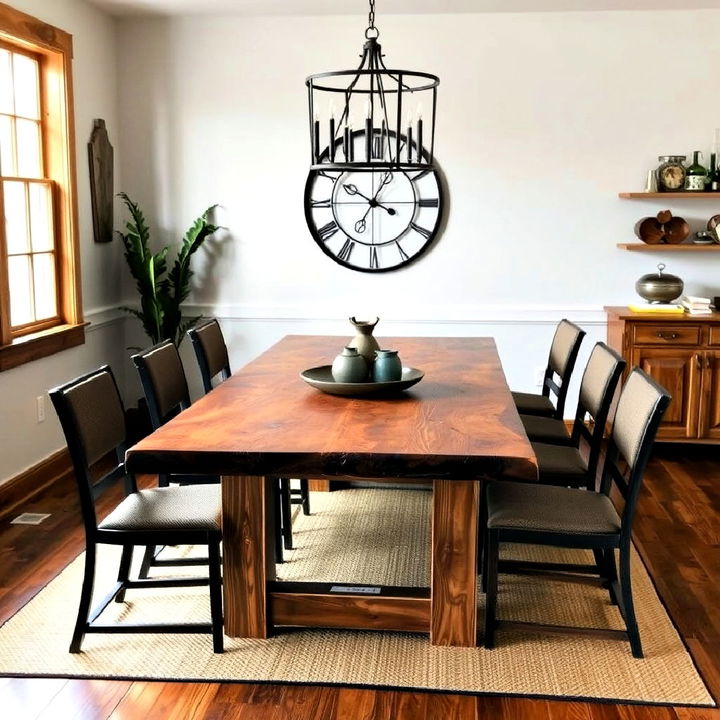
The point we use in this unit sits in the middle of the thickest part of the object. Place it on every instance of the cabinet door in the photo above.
(680, 372)
(709, 424)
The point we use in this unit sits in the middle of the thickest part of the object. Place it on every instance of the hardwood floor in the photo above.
(677, 533)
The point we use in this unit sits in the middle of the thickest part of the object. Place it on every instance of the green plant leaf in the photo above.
(161, 292)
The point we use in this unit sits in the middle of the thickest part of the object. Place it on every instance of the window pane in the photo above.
(44, 275)
(26, 86)
(28, 148)
(21, 309)
(16, 225)
(7, 160)
(40, 218)
(6, 83)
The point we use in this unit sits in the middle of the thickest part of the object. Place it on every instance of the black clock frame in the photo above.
(324, 166)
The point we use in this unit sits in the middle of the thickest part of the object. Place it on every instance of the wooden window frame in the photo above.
(53, 47)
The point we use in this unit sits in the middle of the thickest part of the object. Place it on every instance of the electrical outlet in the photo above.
(539, 376)
(40, 403)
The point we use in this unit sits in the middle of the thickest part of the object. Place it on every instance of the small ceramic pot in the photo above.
(387, 366)
(349, 367)
(364, 341)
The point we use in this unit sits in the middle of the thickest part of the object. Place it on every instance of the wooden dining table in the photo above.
(454, 429)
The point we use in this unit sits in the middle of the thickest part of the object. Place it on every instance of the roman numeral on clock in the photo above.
(346, 250)
(374, 264)
(327, 231)
(403, 254)
(428, 202)
(420, 229)
(419, 175)
(321, 203)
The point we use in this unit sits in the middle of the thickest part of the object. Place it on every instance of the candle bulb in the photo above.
(419, 139)
(368, 131)
(316, 139)
(409, 139)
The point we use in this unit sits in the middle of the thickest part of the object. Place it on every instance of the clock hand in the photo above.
(386, 179)
(351, 189)
(360, 225)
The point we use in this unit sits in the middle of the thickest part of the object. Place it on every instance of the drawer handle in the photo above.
(668, 336)
(708, 362)
(698, 362)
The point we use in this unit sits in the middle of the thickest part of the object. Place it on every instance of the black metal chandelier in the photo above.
(372, 117)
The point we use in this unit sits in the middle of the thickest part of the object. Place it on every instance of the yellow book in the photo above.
(657, 308)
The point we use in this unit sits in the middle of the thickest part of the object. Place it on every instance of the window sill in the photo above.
(40, 345)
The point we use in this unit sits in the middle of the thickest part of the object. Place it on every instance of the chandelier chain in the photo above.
(371, 16)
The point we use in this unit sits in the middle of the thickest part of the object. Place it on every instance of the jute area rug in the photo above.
(373, 536)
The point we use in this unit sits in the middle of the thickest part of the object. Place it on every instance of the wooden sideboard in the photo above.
(682, 352)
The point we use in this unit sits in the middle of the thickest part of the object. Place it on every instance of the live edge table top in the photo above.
(459, 422)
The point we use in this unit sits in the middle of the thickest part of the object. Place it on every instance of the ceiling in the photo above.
(354, 7)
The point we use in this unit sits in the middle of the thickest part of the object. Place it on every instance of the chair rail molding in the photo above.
(416, 315)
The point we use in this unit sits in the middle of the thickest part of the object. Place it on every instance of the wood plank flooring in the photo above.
(677, 533)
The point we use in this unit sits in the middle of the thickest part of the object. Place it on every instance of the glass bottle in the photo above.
(714, 184)
(696, 174)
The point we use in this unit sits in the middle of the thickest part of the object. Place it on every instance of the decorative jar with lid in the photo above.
(671, 173)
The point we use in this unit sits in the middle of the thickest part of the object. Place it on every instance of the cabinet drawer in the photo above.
(661, 334)
(714, 335)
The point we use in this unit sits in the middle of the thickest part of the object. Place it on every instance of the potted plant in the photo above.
(162, 290)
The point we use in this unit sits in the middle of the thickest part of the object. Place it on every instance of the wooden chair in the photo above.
(211, 352)
(573, 518)
(561, 361)
(597, 389)
(93, 420)
(212, 357)
(576, 464)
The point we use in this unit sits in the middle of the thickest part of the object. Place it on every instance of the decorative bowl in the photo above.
(321, 378)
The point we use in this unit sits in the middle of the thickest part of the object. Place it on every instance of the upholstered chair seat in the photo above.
(546, 430)
(560, 465)
(532, 404)
(187, 507)
(549, 509)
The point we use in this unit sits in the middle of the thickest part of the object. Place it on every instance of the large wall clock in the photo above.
(373, 219)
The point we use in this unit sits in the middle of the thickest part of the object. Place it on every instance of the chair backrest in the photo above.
(639, 411)
(561, 362)
(163, 381)
(92, 417)
(211, 352)
(597, 390)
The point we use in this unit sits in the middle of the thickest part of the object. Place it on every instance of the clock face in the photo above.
(373, 219)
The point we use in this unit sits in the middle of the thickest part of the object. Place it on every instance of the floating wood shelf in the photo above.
(661, 247)
(649, 195)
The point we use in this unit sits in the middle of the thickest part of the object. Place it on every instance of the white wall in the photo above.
(542, 119)
(24, 441)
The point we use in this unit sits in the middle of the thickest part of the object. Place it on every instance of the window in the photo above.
(40, 309)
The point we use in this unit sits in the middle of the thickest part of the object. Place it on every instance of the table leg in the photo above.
(454, 563)
(248, 565)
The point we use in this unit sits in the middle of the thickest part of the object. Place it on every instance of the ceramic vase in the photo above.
(387, 366)
(364, 341)
(349, 367)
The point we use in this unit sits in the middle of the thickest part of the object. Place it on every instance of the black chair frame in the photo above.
(602, 545)
(561, 389)
(88, 491)
(593, 436)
